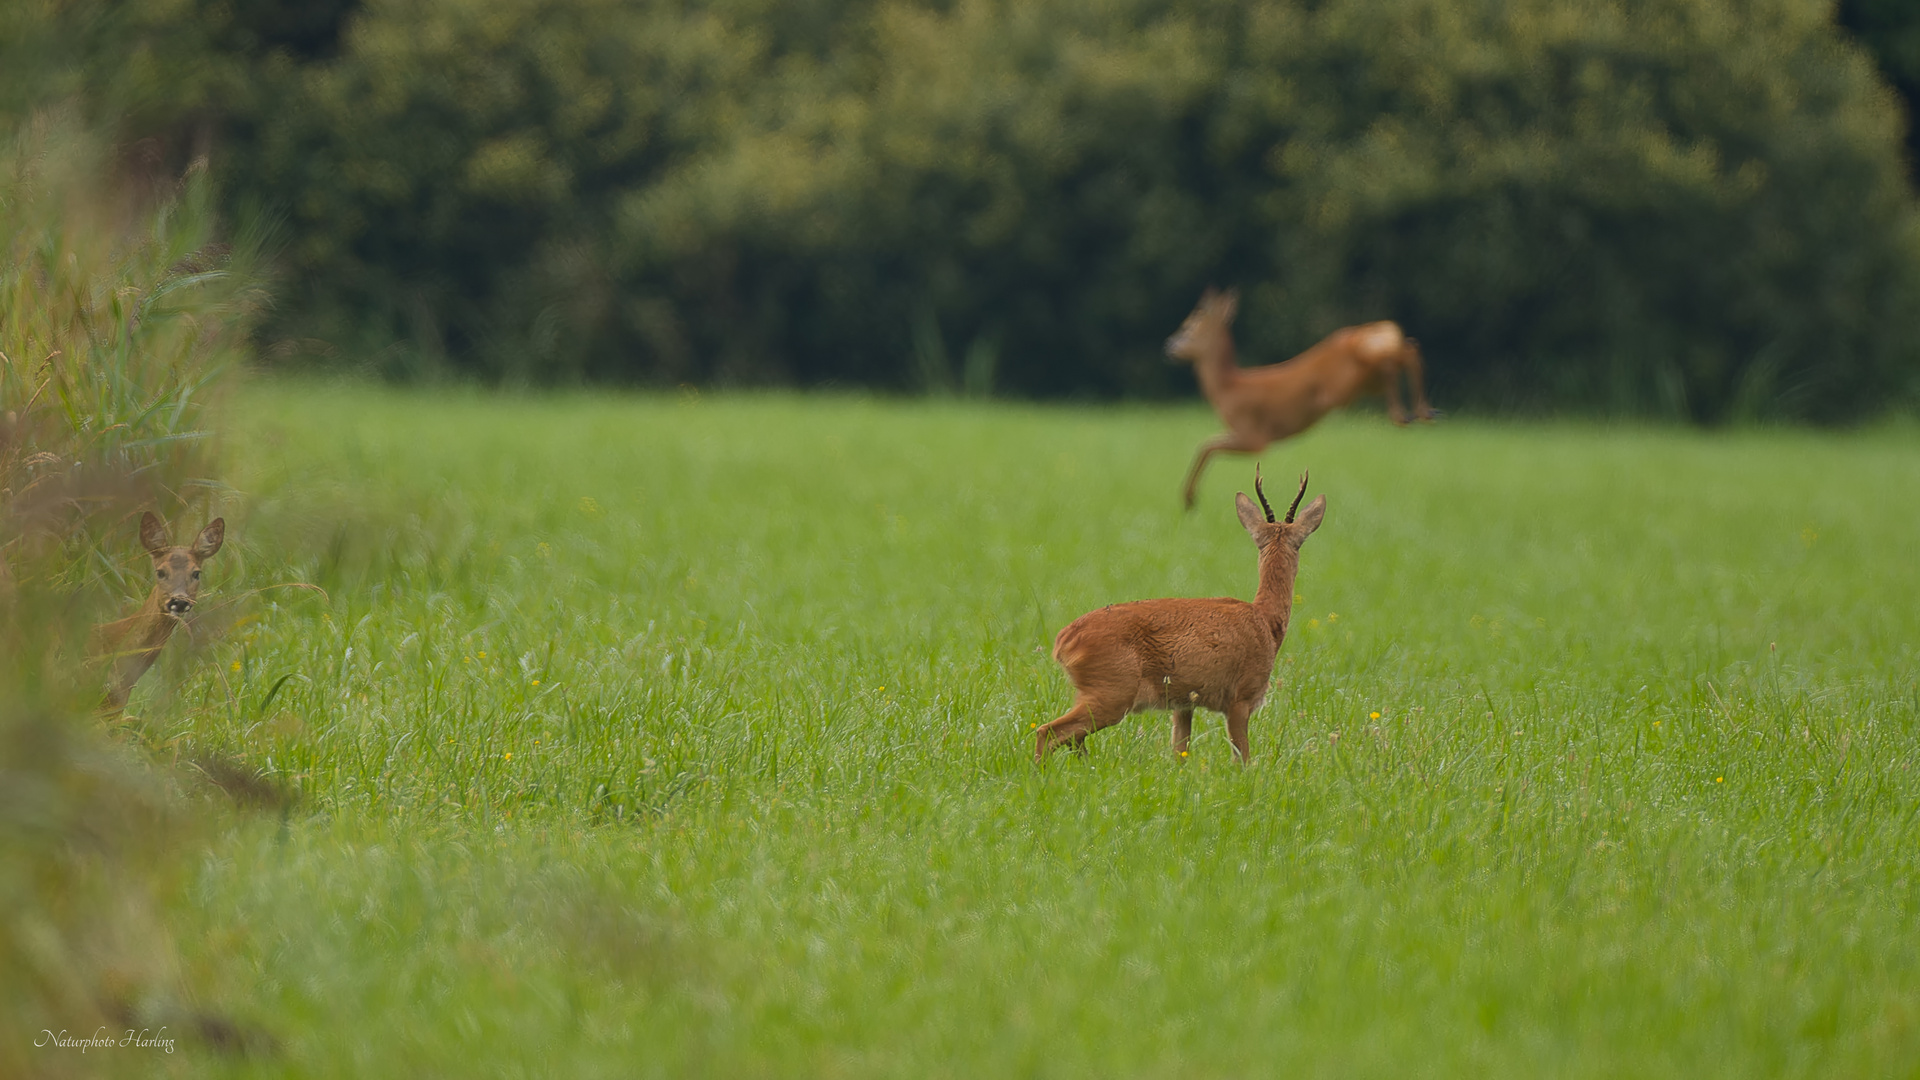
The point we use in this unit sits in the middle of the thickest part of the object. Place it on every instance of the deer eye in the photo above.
(196, 575)
(162, 573)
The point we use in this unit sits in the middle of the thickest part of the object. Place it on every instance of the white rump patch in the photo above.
(1377, 339)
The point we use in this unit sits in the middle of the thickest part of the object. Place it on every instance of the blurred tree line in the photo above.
(1694, 208)
(1890, 29)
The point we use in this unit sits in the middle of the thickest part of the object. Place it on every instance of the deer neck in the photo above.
(152, 627)
(1279, 564)
(1217, 369)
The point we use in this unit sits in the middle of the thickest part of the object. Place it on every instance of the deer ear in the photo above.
(152, 536)
(1250, 515)
(1309, 518)
(210, 539)
(1229, 305)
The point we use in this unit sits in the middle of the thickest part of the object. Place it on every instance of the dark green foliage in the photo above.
(1890, 29)
(302, 29)
(1692, 208)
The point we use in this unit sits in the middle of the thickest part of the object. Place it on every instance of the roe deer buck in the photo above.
(131, 645)
(1266, 404)
(1179, 654)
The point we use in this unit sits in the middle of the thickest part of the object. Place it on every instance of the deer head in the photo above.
(1207, 328)
(176, 570)
(1268, 532)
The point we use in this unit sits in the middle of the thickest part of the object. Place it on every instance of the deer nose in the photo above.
(178, 605)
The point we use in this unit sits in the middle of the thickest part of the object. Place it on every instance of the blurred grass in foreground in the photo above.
(670, 736)
(119, 317)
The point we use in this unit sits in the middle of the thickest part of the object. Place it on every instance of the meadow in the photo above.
(671, 735)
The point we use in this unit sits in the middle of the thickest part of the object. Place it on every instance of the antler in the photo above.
(1296, 498)
(1262, 494)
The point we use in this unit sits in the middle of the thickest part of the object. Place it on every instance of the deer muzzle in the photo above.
(177, 605)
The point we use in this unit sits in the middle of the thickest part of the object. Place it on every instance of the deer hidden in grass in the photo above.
(130, 646)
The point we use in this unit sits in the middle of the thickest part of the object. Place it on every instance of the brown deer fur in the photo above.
(131, 645)
(1263, 405)
(1180, 654)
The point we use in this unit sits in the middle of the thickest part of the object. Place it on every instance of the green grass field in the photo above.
(681, 736)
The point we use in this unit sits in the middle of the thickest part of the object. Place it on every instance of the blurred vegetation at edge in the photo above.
(1683, 208)
(122, 312)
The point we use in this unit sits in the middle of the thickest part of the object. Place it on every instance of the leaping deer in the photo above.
(1263, 405)
(131, 645)
(1181, 654)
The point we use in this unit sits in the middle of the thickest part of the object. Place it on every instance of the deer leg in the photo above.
(1237, 715)
(1072, 727)
(1060, 729)
(1182, 729)
(1395, 411)
(1103, 716)
(1416, 381)
(1231, 440)
(1087, 716)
